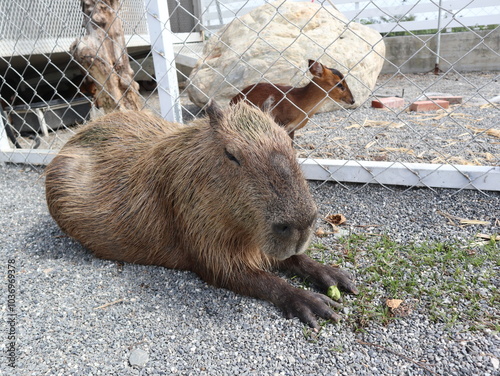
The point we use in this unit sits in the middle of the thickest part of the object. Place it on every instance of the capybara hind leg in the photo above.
(321, 275)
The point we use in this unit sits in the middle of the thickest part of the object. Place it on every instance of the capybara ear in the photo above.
(214, 113)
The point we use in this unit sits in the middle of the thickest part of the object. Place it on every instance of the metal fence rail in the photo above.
(43, 97)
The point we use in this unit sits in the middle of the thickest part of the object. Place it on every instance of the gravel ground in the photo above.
(78, 315)
(461, 134)
(179, 325)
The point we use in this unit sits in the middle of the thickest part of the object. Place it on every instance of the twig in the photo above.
(462, 221)
(491, 237)
(396, 353)
(449, 217)
(110, 303)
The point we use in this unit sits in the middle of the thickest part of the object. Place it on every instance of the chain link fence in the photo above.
(201, 49)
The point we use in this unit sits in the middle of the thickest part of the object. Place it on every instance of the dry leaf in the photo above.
(399, 150)
(489, 237)
(449, 217)
(493, 132)
(335, 219)
(490, 105)
(381, 123)
(320, 232)
(405, 309)
(461, 115)
(396, 125)
(462, 221)
(461, 161)
(489, 157)
(355, 126)
(473, 222)
(393, 303)
(380, 157)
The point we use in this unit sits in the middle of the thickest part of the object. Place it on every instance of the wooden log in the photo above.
(102, 53)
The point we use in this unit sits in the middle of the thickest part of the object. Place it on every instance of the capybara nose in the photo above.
(282, 230)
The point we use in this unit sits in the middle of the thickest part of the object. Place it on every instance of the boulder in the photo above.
(273, 43)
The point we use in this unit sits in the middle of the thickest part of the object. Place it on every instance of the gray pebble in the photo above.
(138, 357)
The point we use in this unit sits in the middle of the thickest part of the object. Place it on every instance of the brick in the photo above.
(451, 99)
(390, 102)
(421, 106)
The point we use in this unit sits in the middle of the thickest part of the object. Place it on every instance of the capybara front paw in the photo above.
(308, 306)
(341, 278)
(325, 276)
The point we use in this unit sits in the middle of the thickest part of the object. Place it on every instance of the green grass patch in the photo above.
(449, 282)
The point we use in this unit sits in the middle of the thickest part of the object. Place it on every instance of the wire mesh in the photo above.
(44, 92)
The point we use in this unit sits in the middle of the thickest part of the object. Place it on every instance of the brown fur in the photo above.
(223, 197)
(293, 107)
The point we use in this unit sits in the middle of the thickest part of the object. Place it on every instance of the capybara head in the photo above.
(269, 197)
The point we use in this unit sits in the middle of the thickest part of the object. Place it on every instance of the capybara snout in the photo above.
(223, 197)
(292, 236)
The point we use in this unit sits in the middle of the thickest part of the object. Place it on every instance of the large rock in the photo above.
(273, 43)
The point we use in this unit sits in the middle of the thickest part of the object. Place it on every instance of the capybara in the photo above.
(223, 197)
(292, 107)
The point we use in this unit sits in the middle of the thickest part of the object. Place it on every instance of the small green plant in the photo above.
(337, 349)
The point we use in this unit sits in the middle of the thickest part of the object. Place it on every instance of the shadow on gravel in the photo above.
(182, 291)
(46, 240)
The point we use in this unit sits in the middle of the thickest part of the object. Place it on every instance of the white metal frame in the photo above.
(407, 174)
(10, 154)
(162, 48)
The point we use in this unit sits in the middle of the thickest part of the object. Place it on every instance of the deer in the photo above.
(292, 107)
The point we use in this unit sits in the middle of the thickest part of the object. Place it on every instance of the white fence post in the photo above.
(438, 45)
(4, 142)
(164, 59)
